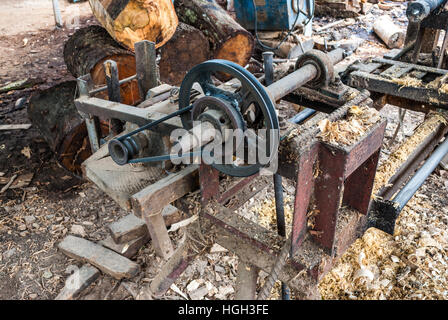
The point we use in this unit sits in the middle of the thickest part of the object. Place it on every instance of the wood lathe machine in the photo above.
(136, 166)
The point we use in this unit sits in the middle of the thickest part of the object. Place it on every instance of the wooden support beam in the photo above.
(159, 234)
(155, 197)
(246, 283)
(149, 203)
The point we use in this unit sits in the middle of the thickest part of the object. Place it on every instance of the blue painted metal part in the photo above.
(273, 15)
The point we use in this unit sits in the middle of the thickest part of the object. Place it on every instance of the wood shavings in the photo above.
(267, 213)
(347, 131)
(358, 274)
(26, 152)
(408, 81)
(439, 84)
(412, 264)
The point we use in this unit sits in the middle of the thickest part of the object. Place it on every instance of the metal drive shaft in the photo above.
(300, 77)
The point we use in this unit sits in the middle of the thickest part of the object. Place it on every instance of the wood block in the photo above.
(127, 229)
(130, 227)
(159, 90)
(77, 282)
(128, 249)
(104, 259)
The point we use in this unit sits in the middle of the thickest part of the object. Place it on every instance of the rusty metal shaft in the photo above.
(300, 77)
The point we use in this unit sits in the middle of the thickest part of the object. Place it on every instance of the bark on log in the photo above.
(55, 115)
(391, 34)
(87, 50)
(130, 21)
(228, 40)
(187, 48)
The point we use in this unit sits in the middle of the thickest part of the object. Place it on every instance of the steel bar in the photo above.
(402, 198)
(57, 14)
(84, 84)
(104, 88)
(108, 109)
(154, 123)
(278, 187)
(292, 82)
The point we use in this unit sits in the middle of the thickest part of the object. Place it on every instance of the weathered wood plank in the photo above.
(159, 234)
(5, 127)
(104, 259)
(77, 282)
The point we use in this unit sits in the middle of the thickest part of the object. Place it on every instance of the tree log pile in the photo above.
(87, 50)
(130, 21)
(54, 113)
(228, 40)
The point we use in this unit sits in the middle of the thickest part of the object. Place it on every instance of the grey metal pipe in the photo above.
(422, 174)
(420, 9)
(302, 116)
(292, 82)
(300, 77)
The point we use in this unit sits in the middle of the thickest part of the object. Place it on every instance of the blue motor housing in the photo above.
(273, 15)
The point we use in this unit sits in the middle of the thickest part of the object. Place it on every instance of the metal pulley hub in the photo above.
(219, 112)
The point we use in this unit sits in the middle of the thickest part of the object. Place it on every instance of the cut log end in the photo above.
(132, 21)
(55, 115)
(87, 50)
(238, 49)
(126, 67)
(187, 48)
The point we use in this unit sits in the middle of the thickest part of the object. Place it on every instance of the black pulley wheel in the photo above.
(251, 94)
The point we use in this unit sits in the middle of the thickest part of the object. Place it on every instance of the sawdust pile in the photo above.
(347, 131)
(399, 156)
(266, 213)
(411, 265)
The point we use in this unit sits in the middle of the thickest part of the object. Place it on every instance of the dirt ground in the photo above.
(33, 219)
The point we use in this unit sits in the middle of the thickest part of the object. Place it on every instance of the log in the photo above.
(131, 21)
(54, 114)
(87, 50)
(228, 40)
(391, 34)
(187, 48)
